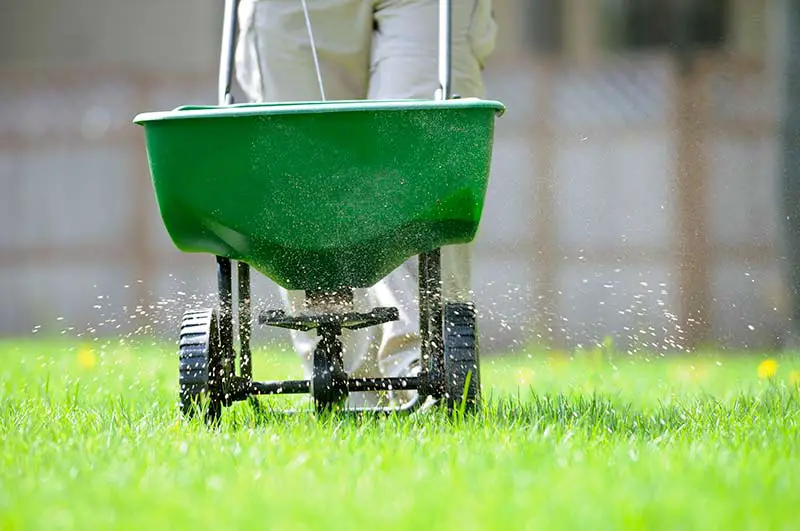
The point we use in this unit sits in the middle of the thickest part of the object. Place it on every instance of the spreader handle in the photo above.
(445, 68)
(227, 53)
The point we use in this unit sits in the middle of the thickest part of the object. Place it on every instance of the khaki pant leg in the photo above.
(405, 65)
(274, 62)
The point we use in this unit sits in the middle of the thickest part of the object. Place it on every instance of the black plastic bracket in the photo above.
(349, 320)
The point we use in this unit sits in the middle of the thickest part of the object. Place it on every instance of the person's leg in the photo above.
(274, 62)
(405, 66)
(405, 50)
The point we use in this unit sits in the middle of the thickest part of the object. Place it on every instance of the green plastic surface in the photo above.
(319, 195)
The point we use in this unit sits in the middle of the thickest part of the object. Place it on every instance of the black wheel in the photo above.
(201, 365)
(461, 359)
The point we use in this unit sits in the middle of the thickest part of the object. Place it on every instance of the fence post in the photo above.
(582, 31)
(143, 261)
(544, 229)
(691, 184)
(791, 160)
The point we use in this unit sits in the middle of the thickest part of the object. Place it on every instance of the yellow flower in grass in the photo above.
(525, 375)
(794, 378)
(558, 359)
(767, 369)
(86, 357)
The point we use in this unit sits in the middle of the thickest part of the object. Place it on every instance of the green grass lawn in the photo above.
(92, 439)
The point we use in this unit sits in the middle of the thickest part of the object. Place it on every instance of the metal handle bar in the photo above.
(445, 55)
(227, 53)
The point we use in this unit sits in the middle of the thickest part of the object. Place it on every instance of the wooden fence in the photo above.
(630, 173)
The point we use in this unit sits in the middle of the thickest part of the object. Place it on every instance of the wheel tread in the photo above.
(461, 355)
(198, 357)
